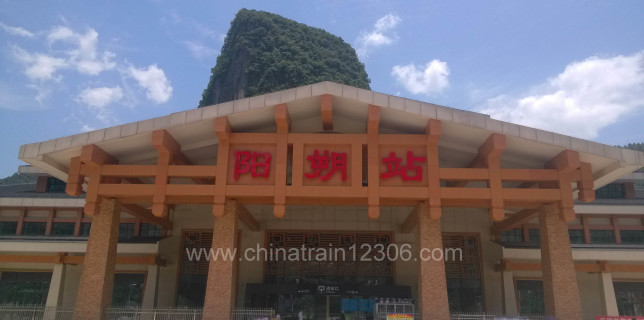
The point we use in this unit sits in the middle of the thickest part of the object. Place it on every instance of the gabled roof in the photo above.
(463, 132)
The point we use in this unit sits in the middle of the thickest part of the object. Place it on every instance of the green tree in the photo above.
(264, 52)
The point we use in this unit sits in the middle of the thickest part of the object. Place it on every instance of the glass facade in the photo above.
(632, 236)
(602, 236)
(530, 296)
(534, 236)
(8, 228)
(84, 229)
(55, 185)
(24, 288)
(514, 235)
(128, 289)
(150, 230)
(63, 229)
(630, 298)
(576, 236)
(126, 231)
(34, 228)
(610, 191)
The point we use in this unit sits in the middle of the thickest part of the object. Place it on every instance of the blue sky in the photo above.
(574, 67)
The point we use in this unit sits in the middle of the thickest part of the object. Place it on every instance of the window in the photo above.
(63, 229)
(150, 230)
(24, 288)
(34, 228)
(128, 289)
(84, 229)
(464, 285)
(576, 235)
(126, 230)
(632, 236)
(55, 185)
(191, 289)
(514, 235)
(610, 191)
(530, 296)
(535, 238)
(8, 228)
(630, 298)
(602, 236)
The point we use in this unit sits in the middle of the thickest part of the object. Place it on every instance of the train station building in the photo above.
(332, 200)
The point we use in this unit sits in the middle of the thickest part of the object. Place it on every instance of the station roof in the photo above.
(462, 132)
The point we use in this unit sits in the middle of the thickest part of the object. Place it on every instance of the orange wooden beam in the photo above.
(514, 220)
(586, 183)
(410, 222)
(326, 111)
(247, 218)
(145, 215)
(74, 178)
(162, 141)
(282, 120)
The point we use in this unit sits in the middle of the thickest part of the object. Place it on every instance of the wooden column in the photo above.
(222, 273)
(559, 279)
(373, 162)
(433, 131)
(432, 284)
(97, 278)
(281, 159)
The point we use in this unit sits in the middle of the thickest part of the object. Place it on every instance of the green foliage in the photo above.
(17, 178)
(264, 52)
(635, 146)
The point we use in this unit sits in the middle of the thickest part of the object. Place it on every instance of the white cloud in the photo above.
(87, 128)
(429, 79)
(201, 51)
(382, 34)
(38, 66)
(83, 56)
(98, 99)
(153, 79)
(17, 31)
(586, 97)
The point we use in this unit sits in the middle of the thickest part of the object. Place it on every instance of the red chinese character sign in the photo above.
(257, 164)
(403, 166)
(327, 165)
(251, 165)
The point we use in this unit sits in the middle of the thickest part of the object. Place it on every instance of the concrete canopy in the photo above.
(463, 132)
